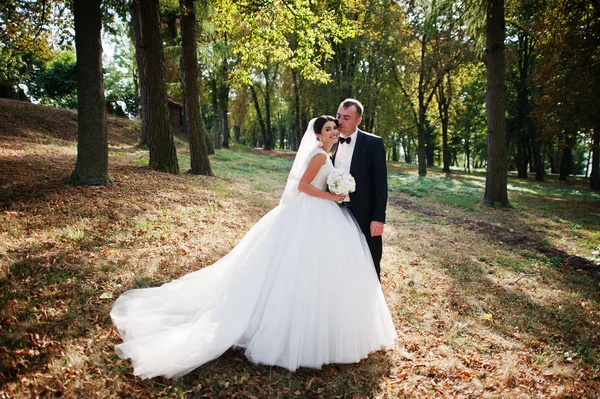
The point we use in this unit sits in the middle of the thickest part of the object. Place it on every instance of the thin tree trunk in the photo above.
(140, 58)
(537, 156)
(429, 147)
(443, 109)
(237, 130)
(223, 107)
(523, 120)
(280, 132)
(407, 149)
(422, 139)
(268, 144)
(162, 148)
(91, 166)
(296, 132)
(422, 125)
(199, 161)
(215, 112)
(261, 122)
(554, 160)
(595, 173)
(566, 160)
(496, 174)
(208, 141)
(468, 154)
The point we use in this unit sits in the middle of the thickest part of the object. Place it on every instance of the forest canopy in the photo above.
(267, 66)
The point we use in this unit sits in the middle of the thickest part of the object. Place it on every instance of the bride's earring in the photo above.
(320, 144)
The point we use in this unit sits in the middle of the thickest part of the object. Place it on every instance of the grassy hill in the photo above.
(496, 303)
(29, 121)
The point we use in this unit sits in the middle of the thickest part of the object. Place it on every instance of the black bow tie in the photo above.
(343, 140)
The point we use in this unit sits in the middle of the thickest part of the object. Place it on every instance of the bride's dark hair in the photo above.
(321, 121)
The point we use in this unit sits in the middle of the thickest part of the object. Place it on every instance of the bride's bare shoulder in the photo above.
(320, 153)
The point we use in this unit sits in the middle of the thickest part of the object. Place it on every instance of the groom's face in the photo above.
(348, 120)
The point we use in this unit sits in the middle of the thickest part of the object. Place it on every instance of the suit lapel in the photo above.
(358, 147)
(333, 152)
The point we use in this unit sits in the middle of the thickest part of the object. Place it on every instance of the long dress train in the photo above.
(299, 290)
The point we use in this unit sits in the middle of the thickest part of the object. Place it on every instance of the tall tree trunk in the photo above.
(421, 150)
(496, 174)
(140, 59)
(280, 131)
(424, 101)
(422, 134)
(595, 173)
(162, 148)
(537, 155)
(429, 147)
(467, 149)
(208, 141)
(297, 133)
(91, 166)
(444, 99)
(406, 147)
(566, 161)
(223, 108)
(523, 122)
(346, 59)
(199, 161)
(521, 158)
(215, 112)
(554, 159)
(261, 121)
(268, 144)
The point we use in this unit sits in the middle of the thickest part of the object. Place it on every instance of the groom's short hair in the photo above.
(351, 102)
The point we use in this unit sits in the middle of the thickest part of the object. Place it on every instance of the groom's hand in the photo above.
(376, 228)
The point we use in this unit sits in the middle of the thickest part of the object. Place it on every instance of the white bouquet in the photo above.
(340, 182)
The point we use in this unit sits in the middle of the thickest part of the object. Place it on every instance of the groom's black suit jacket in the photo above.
(368, 202)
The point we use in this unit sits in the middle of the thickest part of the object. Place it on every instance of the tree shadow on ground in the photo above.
(564, 328)
(524, 239)
(232, 375)
(49, 298)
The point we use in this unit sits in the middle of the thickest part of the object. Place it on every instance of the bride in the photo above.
(299, 290)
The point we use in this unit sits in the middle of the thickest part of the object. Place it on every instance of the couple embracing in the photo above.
(301, 289)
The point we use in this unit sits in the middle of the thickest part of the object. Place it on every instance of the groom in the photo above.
(363, 155)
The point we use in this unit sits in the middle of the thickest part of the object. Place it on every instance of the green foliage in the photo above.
(120, 72)
(580, 154)
(120, 92)
(468, 117)
(299, 34)
(56, 85)
(25, 39)
(389, 55)
(569, 66)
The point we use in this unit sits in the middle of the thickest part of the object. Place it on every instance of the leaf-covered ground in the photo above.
(498, 303)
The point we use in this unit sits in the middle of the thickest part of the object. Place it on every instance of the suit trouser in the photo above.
(376, 248)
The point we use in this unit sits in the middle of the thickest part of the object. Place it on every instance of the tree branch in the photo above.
(410, 103)
(42, 20)
(433, 91)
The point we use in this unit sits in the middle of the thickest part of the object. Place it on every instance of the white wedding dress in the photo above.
(299, 290)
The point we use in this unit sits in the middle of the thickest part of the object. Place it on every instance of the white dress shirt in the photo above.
(343, 156)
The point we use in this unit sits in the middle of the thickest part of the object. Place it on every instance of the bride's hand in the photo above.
(335, 197)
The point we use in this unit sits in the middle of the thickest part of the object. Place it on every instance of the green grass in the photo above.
(245, 163)
(467, 189)
(461, 193)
